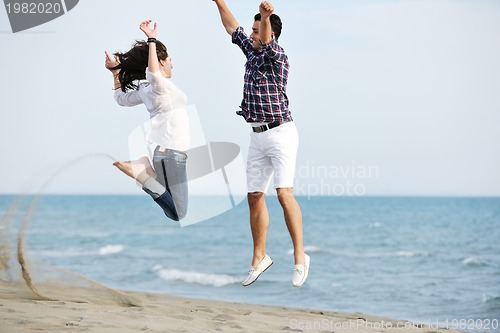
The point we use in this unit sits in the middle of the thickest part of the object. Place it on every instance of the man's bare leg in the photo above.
(293, 219)
(259, 224)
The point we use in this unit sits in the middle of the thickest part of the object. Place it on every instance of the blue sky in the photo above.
(390, 97)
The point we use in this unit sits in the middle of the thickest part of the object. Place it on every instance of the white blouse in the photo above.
(166, 105)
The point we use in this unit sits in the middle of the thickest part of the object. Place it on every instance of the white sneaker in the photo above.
(254, 273)
(300, 272)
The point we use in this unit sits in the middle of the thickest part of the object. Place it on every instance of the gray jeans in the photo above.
(170, 167)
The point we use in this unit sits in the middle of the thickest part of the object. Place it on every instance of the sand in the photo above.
(22, 311)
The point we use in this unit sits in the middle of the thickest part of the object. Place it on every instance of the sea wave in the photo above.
(70, 252)
(382, 254)
(491, 299)
(216, 280)
(473, 261)
(376, 225)
(111, 249)
(79, 252)
(307, 249)
(405, 254)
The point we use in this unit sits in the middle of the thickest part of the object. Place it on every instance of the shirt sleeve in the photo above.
(274, 51)
(158, 83)
(240, 38)
(129, 98)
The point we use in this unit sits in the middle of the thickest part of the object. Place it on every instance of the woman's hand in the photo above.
(146, 28)
(111, 62)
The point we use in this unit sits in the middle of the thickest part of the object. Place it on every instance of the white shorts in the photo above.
(273, 152)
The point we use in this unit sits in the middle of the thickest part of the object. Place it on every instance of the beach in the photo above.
(23, 311)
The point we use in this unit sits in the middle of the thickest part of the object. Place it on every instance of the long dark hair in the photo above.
(133, 63)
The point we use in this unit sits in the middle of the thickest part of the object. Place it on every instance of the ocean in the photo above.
(431, 260)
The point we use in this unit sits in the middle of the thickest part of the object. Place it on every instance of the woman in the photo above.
(149, 61)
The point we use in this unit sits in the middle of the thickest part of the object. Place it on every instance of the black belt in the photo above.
(263, 128)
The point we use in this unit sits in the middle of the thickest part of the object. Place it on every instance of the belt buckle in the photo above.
(260, 128)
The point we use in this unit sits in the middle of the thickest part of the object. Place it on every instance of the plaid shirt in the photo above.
(266, 75)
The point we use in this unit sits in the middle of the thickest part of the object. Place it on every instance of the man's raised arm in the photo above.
(265, 9)
(227, 18)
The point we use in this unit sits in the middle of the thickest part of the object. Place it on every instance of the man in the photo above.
(274, 138)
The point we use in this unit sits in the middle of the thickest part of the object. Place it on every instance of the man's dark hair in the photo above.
(275, 24)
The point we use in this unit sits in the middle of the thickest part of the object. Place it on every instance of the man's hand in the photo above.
(266, 9)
